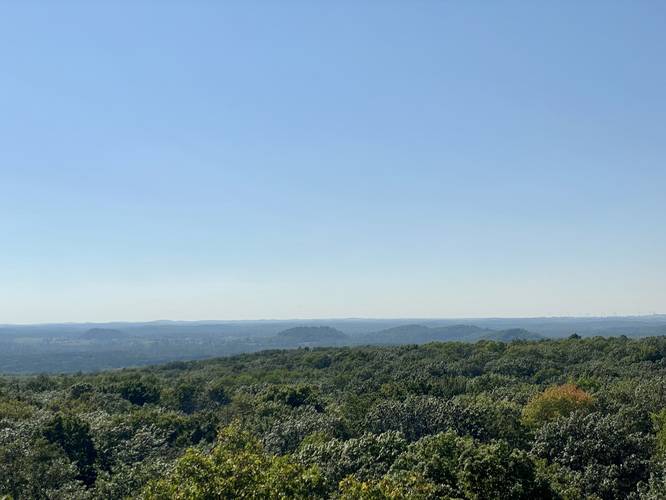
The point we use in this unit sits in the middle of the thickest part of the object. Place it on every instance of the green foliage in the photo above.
(418, 416)
(437, 459)
(496, 471)
(73, 436)
(366, 457)
(81, 389)
(293, 395)
(40, 383)
(659, 420)
(185, 396)
(238, 467)
(597, 454)
(217, 393)
(139, 392)
(441, 420)
(463, 468)
(15, 409)
(286, 434)
(405, 486)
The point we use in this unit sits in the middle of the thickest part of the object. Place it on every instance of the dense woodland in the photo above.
(573, 418)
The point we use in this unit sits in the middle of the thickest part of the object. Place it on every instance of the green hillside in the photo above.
(322, 335)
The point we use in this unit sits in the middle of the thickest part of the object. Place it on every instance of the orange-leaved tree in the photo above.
(554, 402)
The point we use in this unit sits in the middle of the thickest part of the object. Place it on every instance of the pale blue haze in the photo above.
(228, 160)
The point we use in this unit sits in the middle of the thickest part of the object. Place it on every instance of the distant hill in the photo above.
(70, 347)
(513, 334)
(419, 334)
(104, 334)
(322, 335)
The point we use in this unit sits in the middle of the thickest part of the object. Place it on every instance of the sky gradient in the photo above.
(236, 160)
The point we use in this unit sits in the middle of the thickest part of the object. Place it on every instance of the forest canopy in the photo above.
(561, 419)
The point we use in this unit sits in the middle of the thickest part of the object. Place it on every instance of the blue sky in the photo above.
(229, 160)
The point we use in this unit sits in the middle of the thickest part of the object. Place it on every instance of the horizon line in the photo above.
(345, 318)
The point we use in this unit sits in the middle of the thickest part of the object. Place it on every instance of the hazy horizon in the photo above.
(339, 319)
(347, 159)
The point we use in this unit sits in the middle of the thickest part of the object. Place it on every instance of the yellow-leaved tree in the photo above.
(554, 402)
(238, 467)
